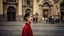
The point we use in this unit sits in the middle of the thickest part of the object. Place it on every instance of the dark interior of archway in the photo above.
(62, 10)
(11, 14)
(27, 10)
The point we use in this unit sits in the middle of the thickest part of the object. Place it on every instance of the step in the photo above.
(15, 29)
(11, 23)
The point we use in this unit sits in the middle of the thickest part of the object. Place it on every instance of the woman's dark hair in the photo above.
(26, 16)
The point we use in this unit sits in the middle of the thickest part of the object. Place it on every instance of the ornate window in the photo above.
(28, 2)
(11, 0)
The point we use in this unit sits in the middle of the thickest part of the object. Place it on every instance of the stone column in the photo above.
(34, 6)
(19, 15)
(1, 7)
(19, 7)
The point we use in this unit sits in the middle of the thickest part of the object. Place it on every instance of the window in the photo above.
(4, 0)
(28, 2)
(11, 0)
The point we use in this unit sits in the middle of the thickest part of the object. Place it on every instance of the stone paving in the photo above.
(39, 29)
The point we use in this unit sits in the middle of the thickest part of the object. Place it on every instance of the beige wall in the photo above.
(1, 6)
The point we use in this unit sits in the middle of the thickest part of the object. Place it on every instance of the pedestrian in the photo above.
(36, 19)
(50, 19)
(27, 30)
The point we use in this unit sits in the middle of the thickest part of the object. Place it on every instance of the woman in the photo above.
(27, 31)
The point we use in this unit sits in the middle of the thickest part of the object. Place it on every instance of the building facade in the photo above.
(14, 10)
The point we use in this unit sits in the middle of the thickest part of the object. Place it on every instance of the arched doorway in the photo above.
(11, 14)
(62, 11)
(46, 9)
(27, 10)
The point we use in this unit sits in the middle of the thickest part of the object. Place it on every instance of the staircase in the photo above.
(40, 29)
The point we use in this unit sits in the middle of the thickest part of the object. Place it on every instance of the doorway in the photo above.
(11, 14)
(45, 13)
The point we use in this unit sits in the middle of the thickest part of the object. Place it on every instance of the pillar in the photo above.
(34, 6)
(19, 15)
(19, 7)
(1, 7)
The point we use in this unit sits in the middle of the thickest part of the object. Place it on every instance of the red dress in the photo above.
(27, 31)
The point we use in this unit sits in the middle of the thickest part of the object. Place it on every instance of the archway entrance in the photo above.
(11, 14)
(62, 11)
(46, 9)
(27, 10)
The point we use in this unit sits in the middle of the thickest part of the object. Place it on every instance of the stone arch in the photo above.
(10, 8)
(50, 3)
(11, 13)
(11, 5)
(47, 4)
(28, 10)
(61, 1)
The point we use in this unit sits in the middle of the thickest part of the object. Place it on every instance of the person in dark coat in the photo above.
(50, 19)
(27, 30)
